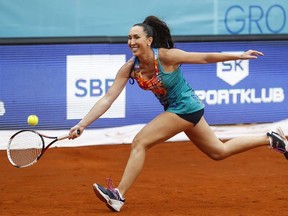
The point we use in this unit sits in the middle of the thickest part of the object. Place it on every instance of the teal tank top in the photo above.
(171, 89)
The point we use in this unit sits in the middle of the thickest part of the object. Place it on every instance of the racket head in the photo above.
(25, 148)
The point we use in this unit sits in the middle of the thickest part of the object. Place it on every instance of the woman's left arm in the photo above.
(177, 56)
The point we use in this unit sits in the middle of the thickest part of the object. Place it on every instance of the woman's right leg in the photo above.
(163, 127)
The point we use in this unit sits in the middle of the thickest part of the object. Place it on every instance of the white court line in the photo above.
(125, 134)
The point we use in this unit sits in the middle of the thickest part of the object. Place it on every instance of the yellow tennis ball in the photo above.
(32, 120)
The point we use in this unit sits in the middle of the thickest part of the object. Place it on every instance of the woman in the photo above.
(156, 66)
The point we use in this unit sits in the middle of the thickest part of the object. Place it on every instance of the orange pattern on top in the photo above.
(154, 84)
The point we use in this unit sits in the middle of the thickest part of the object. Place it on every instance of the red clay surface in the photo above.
(177, 180)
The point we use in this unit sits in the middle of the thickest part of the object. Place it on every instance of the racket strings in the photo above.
(25, 148)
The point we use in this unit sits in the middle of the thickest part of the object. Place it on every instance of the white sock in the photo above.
(271, 142)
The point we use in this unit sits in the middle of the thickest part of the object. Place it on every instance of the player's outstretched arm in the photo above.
(101, 106)
(177, 56)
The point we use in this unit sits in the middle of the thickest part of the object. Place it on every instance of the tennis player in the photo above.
(155, 66)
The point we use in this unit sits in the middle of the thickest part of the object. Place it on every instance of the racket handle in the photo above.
(65, 136)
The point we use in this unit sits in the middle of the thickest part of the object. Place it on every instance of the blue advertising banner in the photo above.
(75, 18)
(60, 83)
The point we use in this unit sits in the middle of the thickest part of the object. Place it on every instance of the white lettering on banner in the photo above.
(232, 72)
(2, 108)
(242, 96)
(88, 79)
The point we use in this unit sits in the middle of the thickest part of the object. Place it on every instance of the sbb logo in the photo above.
(232, 72)
(88, 79)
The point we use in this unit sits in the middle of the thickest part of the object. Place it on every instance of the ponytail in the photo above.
(158, 29)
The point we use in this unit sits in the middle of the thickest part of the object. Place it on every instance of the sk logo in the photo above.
(232, 72)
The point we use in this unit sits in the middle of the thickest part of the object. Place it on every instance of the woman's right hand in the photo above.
(75, 131)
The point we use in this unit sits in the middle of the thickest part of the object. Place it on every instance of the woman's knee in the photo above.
(217, 156)
(217, 152)
(137, 144)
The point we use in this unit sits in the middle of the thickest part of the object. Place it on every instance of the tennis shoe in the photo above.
(278, 141)
(110, 195)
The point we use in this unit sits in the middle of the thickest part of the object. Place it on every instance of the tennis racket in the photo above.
(26, 147)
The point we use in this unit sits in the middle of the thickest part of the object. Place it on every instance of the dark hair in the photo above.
(156, 28)
(159, 31)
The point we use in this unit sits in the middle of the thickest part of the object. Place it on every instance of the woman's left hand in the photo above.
(251, 54)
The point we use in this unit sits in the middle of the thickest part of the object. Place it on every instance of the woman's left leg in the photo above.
(205, 139)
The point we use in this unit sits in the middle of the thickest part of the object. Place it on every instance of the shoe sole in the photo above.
(286, 155)
(280, 132)
(103, 197)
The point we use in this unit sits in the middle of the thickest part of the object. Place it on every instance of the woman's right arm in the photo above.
(101, 106)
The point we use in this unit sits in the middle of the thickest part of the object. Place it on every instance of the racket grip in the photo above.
(65, 136)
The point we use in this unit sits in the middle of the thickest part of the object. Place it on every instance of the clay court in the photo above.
(177, 179)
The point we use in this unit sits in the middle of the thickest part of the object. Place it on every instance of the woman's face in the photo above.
(138, 41)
